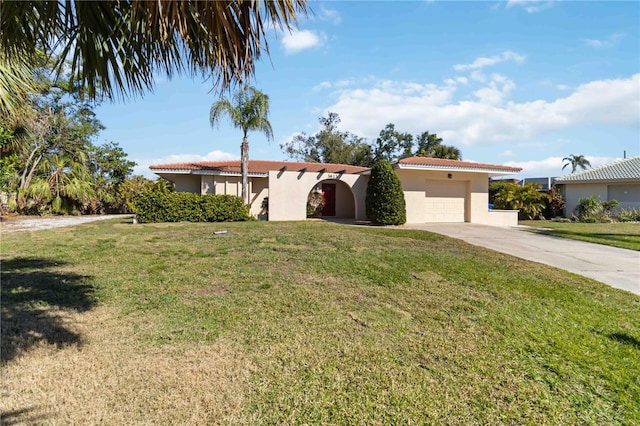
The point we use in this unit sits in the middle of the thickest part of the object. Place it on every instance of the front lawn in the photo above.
(304, 323)
(624, 235)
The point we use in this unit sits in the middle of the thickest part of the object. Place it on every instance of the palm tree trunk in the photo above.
(244, 169)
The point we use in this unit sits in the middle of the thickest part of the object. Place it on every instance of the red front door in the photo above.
(329, 192)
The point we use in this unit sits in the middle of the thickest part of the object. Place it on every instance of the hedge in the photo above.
(385, 204)
(155, 207)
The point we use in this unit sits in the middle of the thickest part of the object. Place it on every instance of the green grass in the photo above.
(623, 235)
(344, 325)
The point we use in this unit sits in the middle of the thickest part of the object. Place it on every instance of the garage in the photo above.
(445, 201)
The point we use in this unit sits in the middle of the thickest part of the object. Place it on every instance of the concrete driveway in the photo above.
(616, 267)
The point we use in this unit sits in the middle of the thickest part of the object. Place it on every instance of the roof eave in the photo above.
(205, 172)
(172, 171)
(490, 171)
(628, 180)
(227, 173)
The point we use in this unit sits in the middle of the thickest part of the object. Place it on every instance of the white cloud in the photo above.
(333, 84)
(299, 40)
(531, 6)
(142, 168)
(563, 87)
(507, 153)
(483, 62)
(496, 91)
(486, 119)
(331, 15)
(600, 44)
(552, 166)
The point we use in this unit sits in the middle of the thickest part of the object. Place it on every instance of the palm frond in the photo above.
(16, 83)
(116, 47)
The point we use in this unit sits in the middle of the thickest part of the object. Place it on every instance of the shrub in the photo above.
(315, 204)
(155, 206)
(527, 199)
(610, 205)
(555, 204)
(223, 208)
(495, 187)
(590, 210)
(132, 187)
(385, 204)
(628, 215)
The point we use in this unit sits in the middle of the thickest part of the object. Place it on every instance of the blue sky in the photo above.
(521, 83)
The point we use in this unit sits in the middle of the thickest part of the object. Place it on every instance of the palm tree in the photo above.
(118, 47)
(64, 182)
(576, 161)
(248, 110)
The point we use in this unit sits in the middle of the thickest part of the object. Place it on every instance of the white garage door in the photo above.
(445, 201)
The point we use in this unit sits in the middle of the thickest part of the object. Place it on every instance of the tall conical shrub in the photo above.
(385, 199)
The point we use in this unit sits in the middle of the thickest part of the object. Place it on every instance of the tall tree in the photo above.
(430, 145)
(120, 47)
(49, 161)
(391, 145)
(247, 110)
(330, 145)
(576, 161)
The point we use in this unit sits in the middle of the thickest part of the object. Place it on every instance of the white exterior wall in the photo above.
(627, 194)
(573, 193)
(345, 204)
(186, 183)
(504, 218)
(468, 196)
(288, 192)
(259, 191)
(422, 189)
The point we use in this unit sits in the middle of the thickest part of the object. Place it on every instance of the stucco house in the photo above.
(436, 190)
(619, 180)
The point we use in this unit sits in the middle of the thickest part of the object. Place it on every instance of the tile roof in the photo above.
(618, 171)
(261, 167)
(440, 163)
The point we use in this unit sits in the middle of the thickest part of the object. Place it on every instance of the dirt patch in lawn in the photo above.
(36, 223)
(116, 378)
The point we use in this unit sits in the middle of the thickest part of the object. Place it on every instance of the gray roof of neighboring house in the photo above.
(619, 171)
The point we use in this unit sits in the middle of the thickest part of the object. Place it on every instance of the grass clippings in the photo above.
(305, 323)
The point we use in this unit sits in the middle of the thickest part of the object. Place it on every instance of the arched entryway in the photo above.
(338, 200)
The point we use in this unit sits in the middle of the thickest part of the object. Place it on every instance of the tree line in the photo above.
(331, 145)
(50, 162)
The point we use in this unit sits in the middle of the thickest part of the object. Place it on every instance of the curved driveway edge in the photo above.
(36, 223)
(619, 268)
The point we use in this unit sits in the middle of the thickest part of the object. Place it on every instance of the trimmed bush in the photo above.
(385, 199)
(156, 207)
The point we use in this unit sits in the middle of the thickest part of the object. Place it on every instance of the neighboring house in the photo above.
(614, 181)
(546, 183)
(436, 190)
